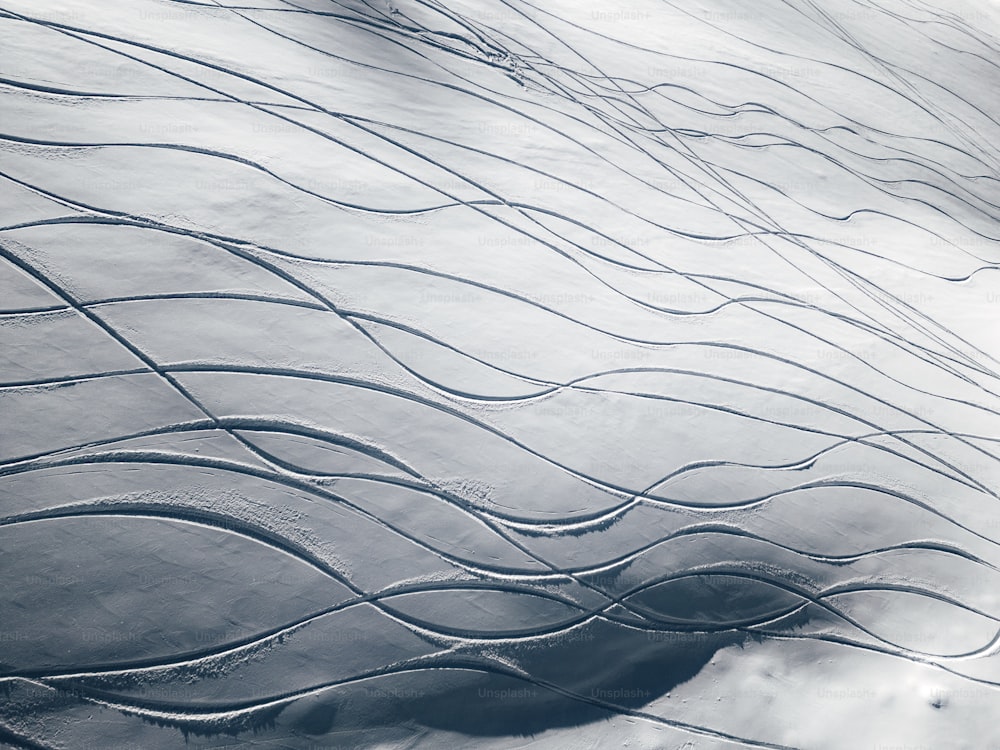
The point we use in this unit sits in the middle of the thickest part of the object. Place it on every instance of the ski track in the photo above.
(781, 343)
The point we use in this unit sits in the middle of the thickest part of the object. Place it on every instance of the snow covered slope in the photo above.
(500, 374)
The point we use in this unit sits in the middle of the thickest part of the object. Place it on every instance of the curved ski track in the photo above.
(498, 323)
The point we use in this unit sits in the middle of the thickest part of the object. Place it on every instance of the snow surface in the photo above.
(500, 374)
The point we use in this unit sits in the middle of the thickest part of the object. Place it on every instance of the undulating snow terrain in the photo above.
(500, 374)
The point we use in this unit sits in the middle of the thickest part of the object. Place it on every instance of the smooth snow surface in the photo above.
(500, 374)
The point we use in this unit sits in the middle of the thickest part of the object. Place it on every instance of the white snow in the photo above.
(500, 374)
